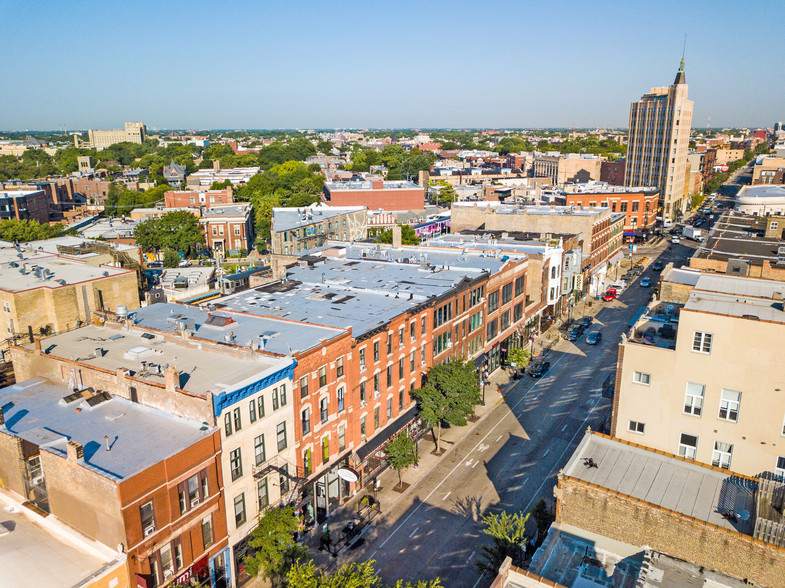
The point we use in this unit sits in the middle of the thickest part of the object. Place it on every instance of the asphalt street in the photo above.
(510, 458)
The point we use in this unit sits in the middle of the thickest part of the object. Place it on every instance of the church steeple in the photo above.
(680, 77)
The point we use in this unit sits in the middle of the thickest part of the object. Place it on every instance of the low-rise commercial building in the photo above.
(299, 229)
(572, 167)
(376, 194)
(761, 200)
(639, 205)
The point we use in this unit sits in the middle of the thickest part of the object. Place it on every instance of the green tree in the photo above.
(171, 259)
(221, 185)
(179, 230)
(508, 532)
(449, 395)
(519, 356)
(351, 575)
(446, 193)
(121, 201)
(408, 236)
(543, 516)
(401, 453)
(325, 147)
(276, 551)
(24, 231)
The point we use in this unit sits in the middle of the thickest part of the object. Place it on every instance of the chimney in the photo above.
(396, 236)
(171, 379)
(74, 451)
(216, 165)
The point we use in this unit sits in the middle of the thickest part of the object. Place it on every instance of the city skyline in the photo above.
(267, 66)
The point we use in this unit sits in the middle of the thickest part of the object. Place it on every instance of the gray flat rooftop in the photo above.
(362, 293)
(488, 243)
(19, 273)
(201, 370)
(366, 185)
(737, 236)
(738, 297)
(284, 337)
(107, 228)
(228, 210)
(286, 219)
(28, 545)
(682, 486)
(684, 276)
(538, 210)
(139, 436)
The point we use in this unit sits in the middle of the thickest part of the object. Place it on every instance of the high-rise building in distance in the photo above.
(134, 132)
(659, 137)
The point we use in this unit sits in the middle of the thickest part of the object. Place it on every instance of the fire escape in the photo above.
(290, 477)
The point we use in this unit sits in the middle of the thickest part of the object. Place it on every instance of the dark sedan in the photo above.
(574, 334)
(594, 338)
(539, 369)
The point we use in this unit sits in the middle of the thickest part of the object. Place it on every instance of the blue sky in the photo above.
(322, 64)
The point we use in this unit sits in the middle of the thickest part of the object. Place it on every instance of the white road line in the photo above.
(566, 449)
(478, 580)
(471, 556)
(546, 452)
(452, 471)
(413, 532)
(476, 463)
(499, 438)
(446, 495)
(564, 427)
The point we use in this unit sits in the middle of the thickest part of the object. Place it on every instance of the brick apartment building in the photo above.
(612, 172)
(571, 167)
(639, 205)
(134, 479)
(228, 229)
(194, 199)
(24, 205)
(375, 194)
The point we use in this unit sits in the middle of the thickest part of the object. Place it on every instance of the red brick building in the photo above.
(638, 205)
(228, 228)
(193, 199)
(612, 172)
(376, 194)
(24, 205)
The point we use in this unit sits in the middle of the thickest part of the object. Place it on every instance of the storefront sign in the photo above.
(347, 475)
(191, 572)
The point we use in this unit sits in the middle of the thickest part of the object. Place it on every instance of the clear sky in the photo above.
(289, 64)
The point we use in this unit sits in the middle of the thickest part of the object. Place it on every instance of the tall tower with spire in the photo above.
(658, 141)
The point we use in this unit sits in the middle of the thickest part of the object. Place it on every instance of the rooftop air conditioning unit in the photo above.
(149, 530)
(194, 502)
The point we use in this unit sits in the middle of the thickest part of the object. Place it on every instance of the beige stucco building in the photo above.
(572, 167)
(700, 375)
(659, 137)
(134, 132)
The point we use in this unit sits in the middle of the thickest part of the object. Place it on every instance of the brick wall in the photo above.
(633, 521)
(405, 199)
(11, 463)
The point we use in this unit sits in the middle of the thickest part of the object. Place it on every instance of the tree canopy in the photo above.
(401, 452)
(449, 395)
(408, 236)
(276, 551)
(399, 163)
(120, 201)
(178, 230)
(24, 231)
(508, 532)
(350, 575)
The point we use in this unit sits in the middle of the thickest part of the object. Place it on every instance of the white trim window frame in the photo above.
(701, 342)
(693, 398)
(730, 401)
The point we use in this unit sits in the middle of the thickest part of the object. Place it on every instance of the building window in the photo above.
(375, 351)
(239, 510)
(280, 435)
(720, 457)
(326, 449)
(400, 338)
(422, 355)
(693, 400)
(339, 367)
(376, 385)
(166, 561)
(729, 405)
(237, 421)
(258, 449)
(780, 469)
(389, 409)
(275, 399)
(422, 326)
(323, 409)
(688, 444)
(442, 342)
(147, 514)
(262, 494)
(362, 359)
(641, 378)
(635, 206)
(362, 392)
(701, 342)
(636, 427)
(362, 427)
(493, 302)
(475, 321)
(341, 401)
(517, 312)
(283, 394)
(322, 377)
(389, 343)
(492, 330)
(476, 295)
(306, 418)
(228, 424)
(389, 376)
(341, 438)
(252, 410)
(412, 329)
(504, 320)
(207, 531)
(303, 386)
(178, 555)
(235, 464)
(400, 368)
(400, 400)
(442, 315)
(412, 359)
(376, 419)
(520, 285)
(260, 406)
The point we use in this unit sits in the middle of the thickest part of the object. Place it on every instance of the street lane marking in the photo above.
(471, 556)
(564, 427)
(469, 462)
(452, 471)
(547, 451)
(483, 447)
(413, 532)
(446, 495)
(499, 438)
(476, 463)
(478, 580)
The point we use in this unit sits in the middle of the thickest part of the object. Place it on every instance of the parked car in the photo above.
(645, 282)
(155, 264)
(574, 334)
(637, 270)
(609, 296)
(674, 239)
(657, 266)
(184, 263)
(539, 369)
(594, 338)
(586, 322)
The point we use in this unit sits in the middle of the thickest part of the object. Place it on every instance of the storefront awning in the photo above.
(480, 360)
(386, 433)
